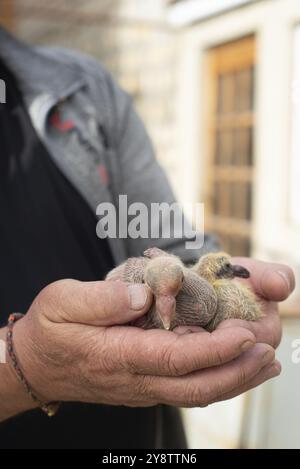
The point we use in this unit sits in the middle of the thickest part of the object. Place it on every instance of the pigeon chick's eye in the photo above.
(227, 265)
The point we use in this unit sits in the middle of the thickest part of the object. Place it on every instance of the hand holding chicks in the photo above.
(203, 295)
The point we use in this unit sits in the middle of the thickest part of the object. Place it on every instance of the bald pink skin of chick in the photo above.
(164, 276)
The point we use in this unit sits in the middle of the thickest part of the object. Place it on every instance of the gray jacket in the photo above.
(93, 134)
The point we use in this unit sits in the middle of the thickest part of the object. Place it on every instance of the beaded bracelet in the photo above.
(49, 408)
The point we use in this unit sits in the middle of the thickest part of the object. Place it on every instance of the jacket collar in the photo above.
(38, 71)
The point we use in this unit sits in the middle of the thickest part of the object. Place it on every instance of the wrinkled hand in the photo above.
(70, 351)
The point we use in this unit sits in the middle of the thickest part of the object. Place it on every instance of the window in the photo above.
(230, 116)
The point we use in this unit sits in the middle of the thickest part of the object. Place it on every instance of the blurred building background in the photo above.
(217, 83)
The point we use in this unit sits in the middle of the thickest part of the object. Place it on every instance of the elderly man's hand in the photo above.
(69, 350)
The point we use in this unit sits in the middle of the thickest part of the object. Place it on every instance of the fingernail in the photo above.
(137, 296)
(274, 370)
(247, 345)
(286, 280)
(268, 356)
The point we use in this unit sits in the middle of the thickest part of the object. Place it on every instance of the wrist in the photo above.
(28, 354)
(14, 399)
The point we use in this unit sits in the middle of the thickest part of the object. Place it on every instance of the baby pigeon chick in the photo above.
(181, 297)
(235, 300)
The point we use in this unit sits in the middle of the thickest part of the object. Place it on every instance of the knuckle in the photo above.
(109, 358)
(128, 355)
(275, 334)
(194, 396)
(144, 388)
(168, 358)
(53, 295)
(48, 294)
(105, 300)
(214, 355)
(45, 302)
(56, 288)
(241, 377)
(112, 298)
(126, 350)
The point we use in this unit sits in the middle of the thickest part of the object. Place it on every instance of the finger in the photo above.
(96, 303)
(201, 388)
(268, 372)
(267, 329)
(168, 354)
(271, 281)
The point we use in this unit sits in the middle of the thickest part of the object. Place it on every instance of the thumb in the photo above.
(103, 303)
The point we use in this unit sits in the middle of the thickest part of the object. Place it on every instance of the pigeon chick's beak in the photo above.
(166, 308)
(239, 271)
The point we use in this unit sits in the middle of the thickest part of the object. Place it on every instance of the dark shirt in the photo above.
(47, 232)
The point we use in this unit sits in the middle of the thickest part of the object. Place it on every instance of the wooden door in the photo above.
(7, 14)
(230, 131)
